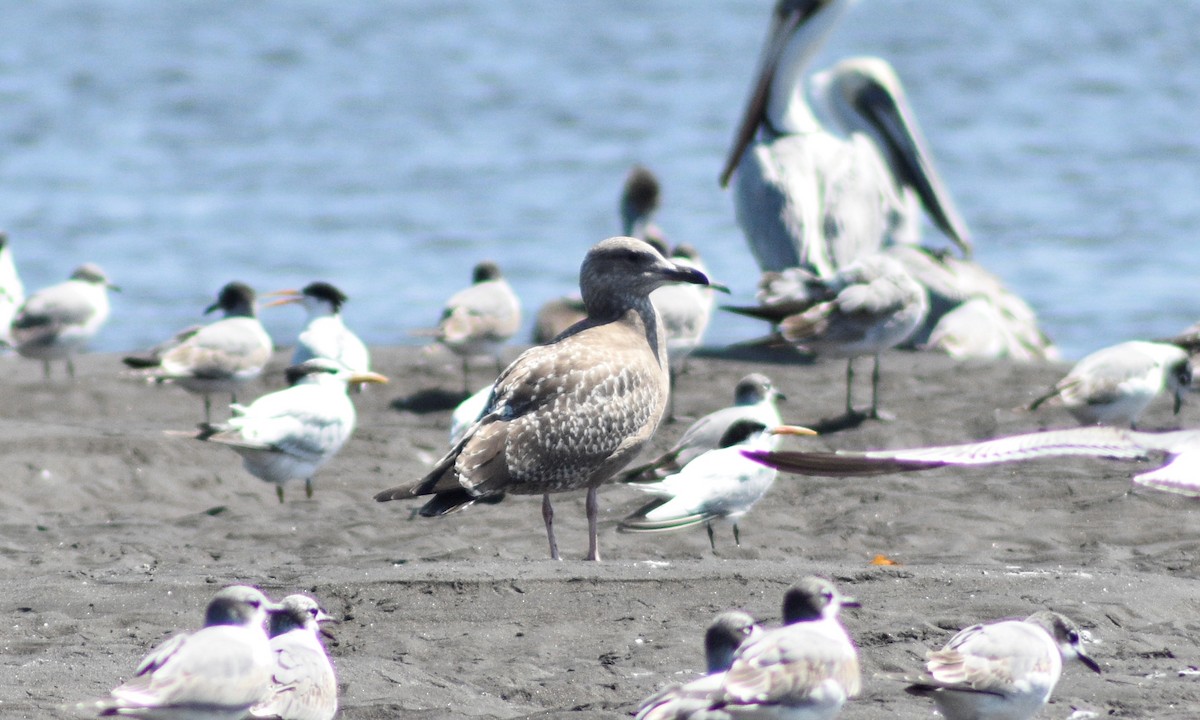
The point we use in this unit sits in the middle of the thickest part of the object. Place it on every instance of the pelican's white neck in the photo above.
(788, 110)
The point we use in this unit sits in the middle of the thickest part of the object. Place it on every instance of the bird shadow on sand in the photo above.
(430, 400)
(753, 351)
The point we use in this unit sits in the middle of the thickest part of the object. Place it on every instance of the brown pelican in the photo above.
(821, 185)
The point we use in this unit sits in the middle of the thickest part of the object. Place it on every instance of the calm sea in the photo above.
(387, 146)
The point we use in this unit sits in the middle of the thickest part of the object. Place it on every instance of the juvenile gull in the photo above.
(569, 415)
(303, 685)
(479, 319)
(219, 357)
(754, 398)
(217, 672)
(1001, 671)
(57, 322)
(806, 669)
(292, 433)
(1115, 385)
(728, 632)
(719, 484)
(1180, 474)
(325, 335)
(12, 291)
(867, 307)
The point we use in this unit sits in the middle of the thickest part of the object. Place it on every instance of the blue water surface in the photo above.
(387, 146)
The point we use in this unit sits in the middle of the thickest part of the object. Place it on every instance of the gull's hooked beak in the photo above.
(684, 274)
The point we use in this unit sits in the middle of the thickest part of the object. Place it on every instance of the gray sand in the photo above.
(114, 536)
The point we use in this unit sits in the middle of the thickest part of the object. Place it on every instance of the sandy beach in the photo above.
(114, 536)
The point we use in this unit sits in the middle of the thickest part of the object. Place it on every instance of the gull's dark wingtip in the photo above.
(396, 493)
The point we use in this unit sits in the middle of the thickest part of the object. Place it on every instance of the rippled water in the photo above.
(387, 146)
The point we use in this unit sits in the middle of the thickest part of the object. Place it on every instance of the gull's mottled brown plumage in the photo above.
(569, 415)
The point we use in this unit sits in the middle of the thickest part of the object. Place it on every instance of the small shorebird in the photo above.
(1001, 671)
(292, 433)
(569, 415)
(217, 672)
(325, 335)
(1115, 385)
(479, 319)
(57, 322)
(719, 484)
(303, 685)
(727, 632)
(219, 357)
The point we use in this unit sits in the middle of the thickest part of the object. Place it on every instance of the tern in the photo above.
(479, 319)
(292, 433)
(57, 322)
(719, 484)
(754, 398)
(325, 335)
(219, 357)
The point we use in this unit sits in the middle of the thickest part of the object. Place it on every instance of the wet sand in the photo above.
(113, 536)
